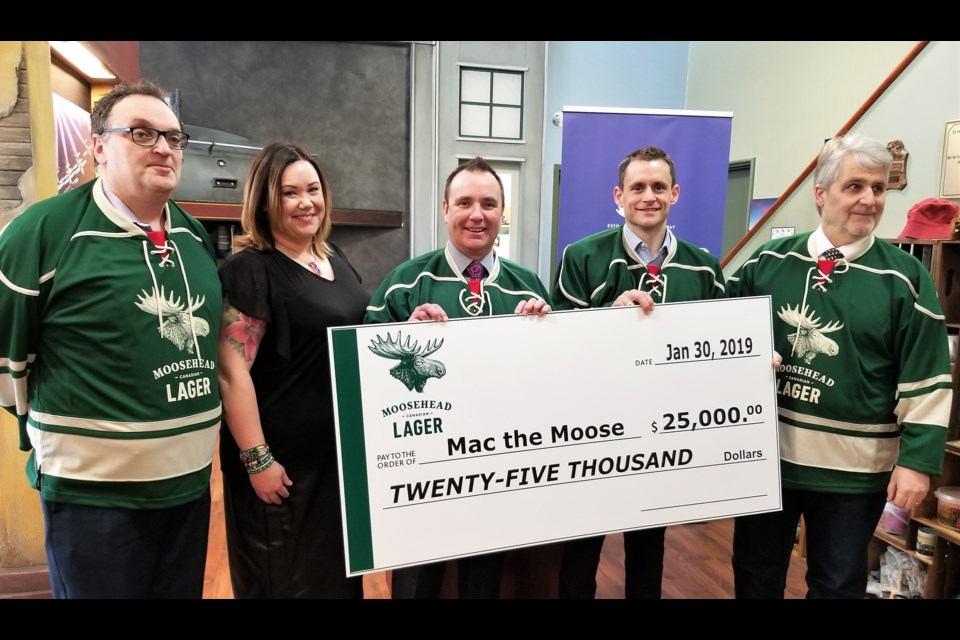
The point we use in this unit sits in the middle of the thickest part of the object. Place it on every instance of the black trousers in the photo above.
(477, 577)
(839, 529)
(642, 563)
(289, 550)
(113, 552)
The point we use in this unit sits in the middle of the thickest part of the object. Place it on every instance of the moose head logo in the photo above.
(809, 339)
(177, 322)
(414, 368)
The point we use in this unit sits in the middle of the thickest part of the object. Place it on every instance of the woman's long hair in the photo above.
(262, 195)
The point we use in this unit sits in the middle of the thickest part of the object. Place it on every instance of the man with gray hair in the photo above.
(864, 390)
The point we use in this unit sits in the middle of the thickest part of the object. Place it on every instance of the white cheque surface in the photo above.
(479, 435)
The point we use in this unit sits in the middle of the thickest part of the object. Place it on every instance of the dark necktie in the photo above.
(832, 254)
(475, 272)
(826, 263)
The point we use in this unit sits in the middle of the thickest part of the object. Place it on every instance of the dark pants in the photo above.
(289, 550)
(101, 552)
(839, 528)
(477, 577)
(642, 564)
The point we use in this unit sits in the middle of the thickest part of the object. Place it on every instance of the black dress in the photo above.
(295, 549)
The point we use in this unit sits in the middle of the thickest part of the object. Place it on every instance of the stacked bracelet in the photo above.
(256, 459)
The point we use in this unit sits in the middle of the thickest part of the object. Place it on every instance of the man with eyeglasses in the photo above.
(108, 358)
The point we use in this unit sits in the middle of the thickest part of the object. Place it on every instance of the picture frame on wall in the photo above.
(758, 207)
(71, 128)
(950, 169)
(782, 232)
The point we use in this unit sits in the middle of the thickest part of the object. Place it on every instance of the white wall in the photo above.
(921, 101)
(787, 97)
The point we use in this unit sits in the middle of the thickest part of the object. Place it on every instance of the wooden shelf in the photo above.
(900, 542)
(947, 533)
(216, 211)
(367, 218)
(942, 259)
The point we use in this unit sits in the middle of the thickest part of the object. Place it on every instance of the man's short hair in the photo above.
(866, 152)
(103, 107)
(474, 164)
(648, 154)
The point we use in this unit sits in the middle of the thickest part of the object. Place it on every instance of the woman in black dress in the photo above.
(282, 288)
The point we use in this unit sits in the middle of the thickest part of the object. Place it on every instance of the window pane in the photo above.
(508, 88)
(474, 86)
(507, 241)
(474, 120)
(506, 122)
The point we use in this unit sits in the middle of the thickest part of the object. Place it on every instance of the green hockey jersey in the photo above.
(108, 352)
(594, 271)
(865, 381)
(434, 278)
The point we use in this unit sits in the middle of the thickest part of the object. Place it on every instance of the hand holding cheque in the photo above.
(624, 426)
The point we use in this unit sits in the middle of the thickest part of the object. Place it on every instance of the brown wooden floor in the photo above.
(696, 564)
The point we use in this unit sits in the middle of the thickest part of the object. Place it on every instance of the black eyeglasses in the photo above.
(147, 137)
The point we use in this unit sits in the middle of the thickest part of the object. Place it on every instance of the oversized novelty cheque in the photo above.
(479, 435)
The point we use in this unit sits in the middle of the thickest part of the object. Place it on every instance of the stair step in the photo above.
(24, 580)
(27, 595)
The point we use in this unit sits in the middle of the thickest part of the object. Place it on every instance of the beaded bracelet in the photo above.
(246, 455)
(254, 468)
(257, 458)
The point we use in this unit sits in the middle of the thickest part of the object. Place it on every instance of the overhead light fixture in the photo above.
(80, 57)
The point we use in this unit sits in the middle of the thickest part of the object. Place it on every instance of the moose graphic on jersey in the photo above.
(414, 368)
(809, 339)
(177, 322)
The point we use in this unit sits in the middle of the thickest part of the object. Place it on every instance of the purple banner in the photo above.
(594, 143)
